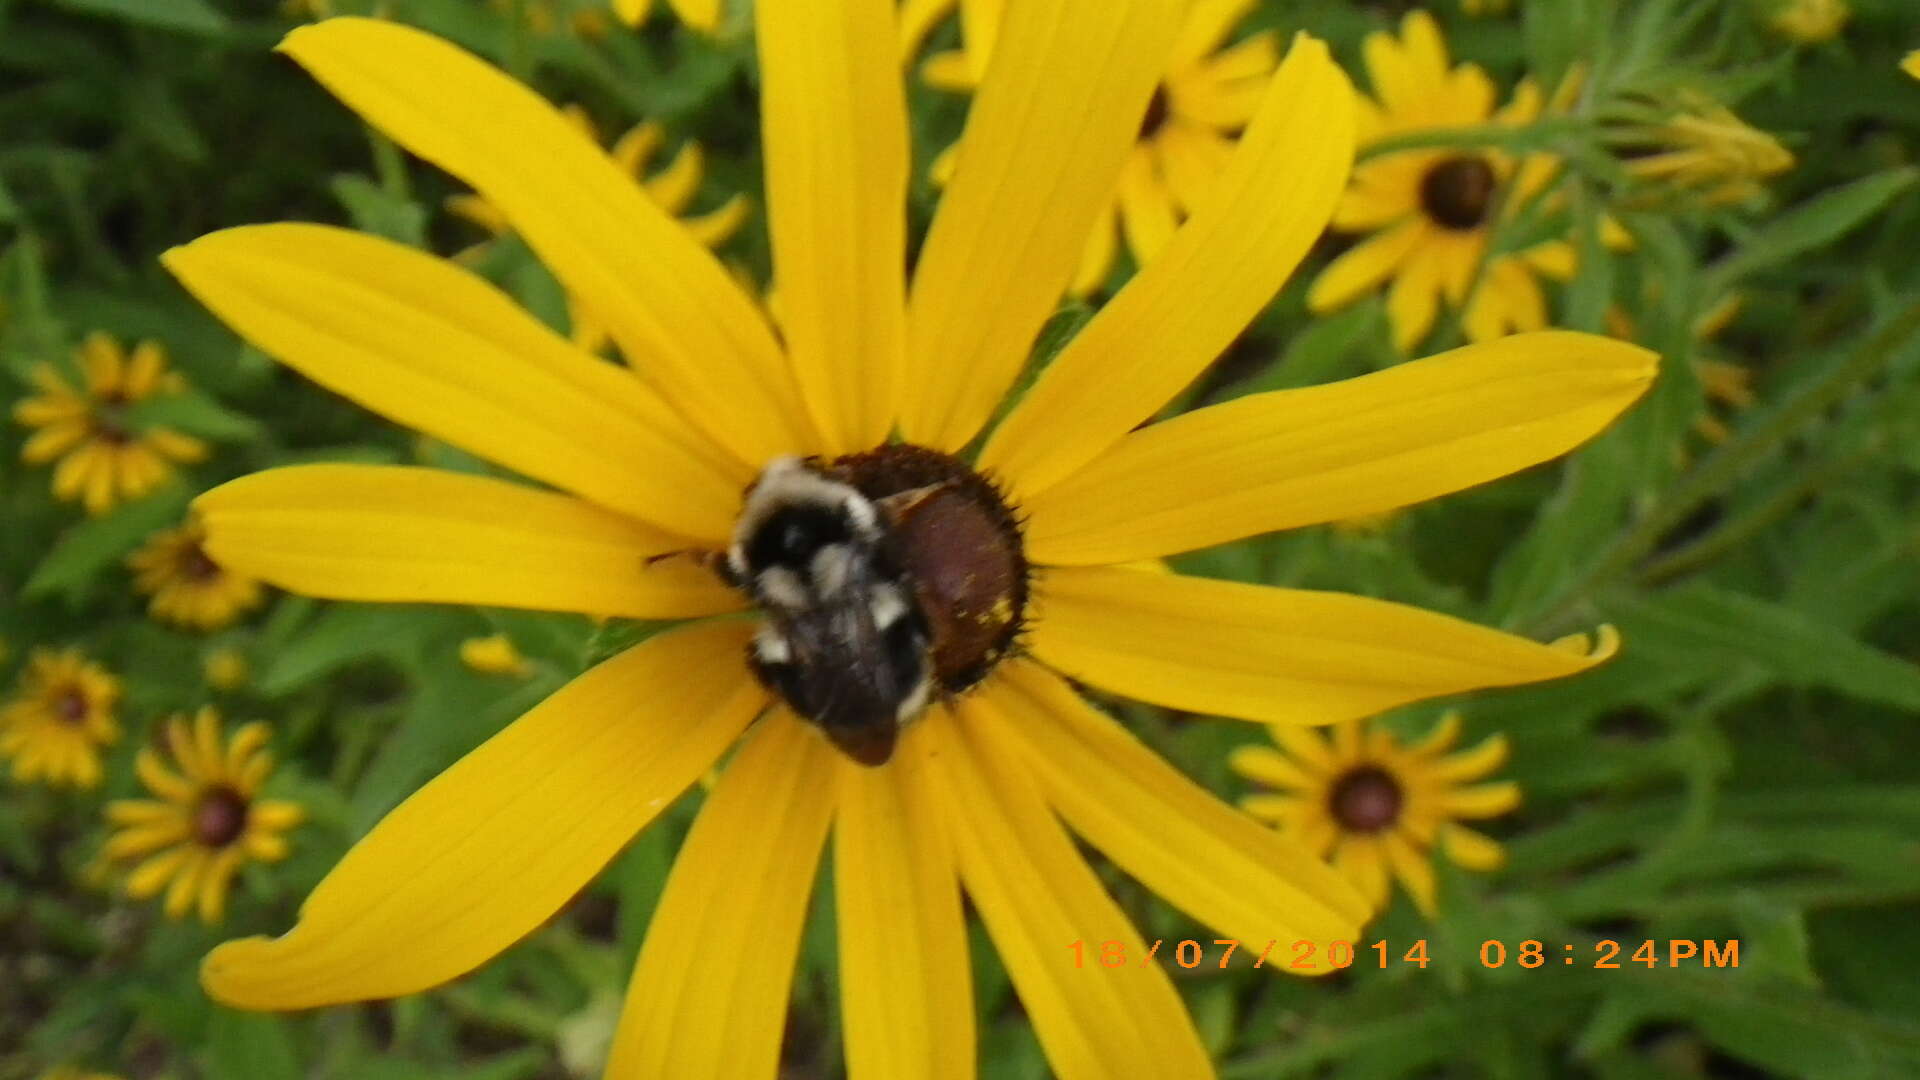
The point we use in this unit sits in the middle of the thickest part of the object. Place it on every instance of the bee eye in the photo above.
(792, 535)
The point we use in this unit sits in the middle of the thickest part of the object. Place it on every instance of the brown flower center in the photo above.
(1157, 112)
(959, 545)
(195, 566)
(1366, 800)
(219, 817)
(1458, 191)
(71, 705)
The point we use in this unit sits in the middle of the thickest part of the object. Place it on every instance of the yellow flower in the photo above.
(981, 788)
(702, 15)
(1434, 212)
(207, 820)
(673, 188)
(1911, 65)
(1811, 22)
(225, 669)
(1205, 96)
(187, 587)
(54, 727)
(1380, 808)
(109, 457)
(493, 655)
(1701, 147)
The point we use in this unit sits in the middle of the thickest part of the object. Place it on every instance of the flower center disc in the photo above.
(71, 706)
(1458, 191)
(959, 543)
(1157, 112)
(219, 818)
(1366, 800)
(195, 565)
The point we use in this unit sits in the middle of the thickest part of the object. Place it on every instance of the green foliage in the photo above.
(1744, 770)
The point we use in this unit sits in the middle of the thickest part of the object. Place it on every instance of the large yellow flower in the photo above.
(1205, 97)
(207, 819)
(980, 791)
(1433, 212)
(54, 727)
(186, 586)
(110, 456)
(1380, 808)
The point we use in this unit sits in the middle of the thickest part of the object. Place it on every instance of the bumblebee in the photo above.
(888, 580)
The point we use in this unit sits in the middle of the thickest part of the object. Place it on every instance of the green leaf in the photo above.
(250, 1046)
(187, 16)
(1696, 623)
(1815, 223)
(197, 413)
(378, 211)
(89, 548)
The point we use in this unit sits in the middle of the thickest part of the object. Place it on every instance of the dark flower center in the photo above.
(1157, 112)
(1458, 191)
(1366, 800)
(219, 818)
(959, 544)
(195, 565)
(71, 706)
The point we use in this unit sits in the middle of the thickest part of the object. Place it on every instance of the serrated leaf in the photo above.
(1814, 223)
(1687, 623)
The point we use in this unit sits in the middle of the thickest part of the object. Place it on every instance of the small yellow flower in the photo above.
(1380, 808)
(54, 728)
(1810, 22)
(108, 457)
(672, 188)
(493, 655)
(1204, 99)
(225, 669)
(187, 587)
(1911, 65)
(207, 820)
(1702, 148)
(1433, 213)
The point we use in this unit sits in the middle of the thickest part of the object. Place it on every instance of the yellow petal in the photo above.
(675, 186)
(104, 362)
(1188, 305)
(1471, 849)
(1288, 458)
(1475, 763)
(159, 779)
(703, 15)
(834, 122)
(1194, 851)
(1037, 895)
(495, 845)
(668, 302)
(1038, 162)
(709, 996)
(1280, 655)
(1207, 25)
(1414, 868)
(632, 12)
(1360, 859)
(1147, 216)
(398, 533)
(436, 348)
(905, 983)
(1265, 765)
(151, 876)
(1362, 267)
(1482, 800)
(917, 19)
(1413, 301)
